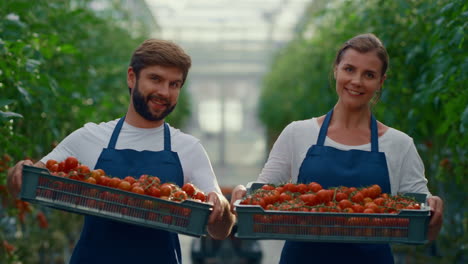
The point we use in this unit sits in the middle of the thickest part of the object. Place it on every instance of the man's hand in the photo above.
(237, 193)
(221, 219)
(15, 176)
(218, 207)
(435, 224)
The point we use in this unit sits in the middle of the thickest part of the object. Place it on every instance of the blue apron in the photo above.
(332, 167)
(106, 241)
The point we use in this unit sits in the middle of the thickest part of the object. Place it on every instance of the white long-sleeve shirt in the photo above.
(87, 142)
(405, 167)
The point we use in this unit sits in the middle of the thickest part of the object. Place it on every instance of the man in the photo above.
(141, 143)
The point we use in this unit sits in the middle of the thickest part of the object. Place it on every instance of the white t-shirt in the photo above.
(87, 143)
(405, 167)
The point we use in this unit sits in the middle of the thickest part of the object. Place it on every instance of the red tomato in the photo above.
(101, 171)
(285, 197)
(280, 189)
(148, 204)
(379, 201)
(374, 191)
(341, 196)
(90, 180)
(364, 192)
(91, 203)
(309, 199)
(95, 174)
(166, 189)
(324, 196)
(345, 203)
(369, 211)
(125, 185)
(351, 190)
(315, 187)
(103, 180)
(153, 191)
(189, 189)
(74, 175)
(200, 196)
(180, 195)
(272, 197)
(357, 197)
(61, 166)
(83, 169)
(138, 189)
(114, 182)
(143, 178)
(367, 200)
(302, 188)
(70, 163)
(130, 179)
(291, 187)
(54, 168)
(167, 219)
(247, 200)
(155, 181)
(259, 201)
(41, 218)
(357, 208)
(372, 206)
(268, 187)
(51, 163)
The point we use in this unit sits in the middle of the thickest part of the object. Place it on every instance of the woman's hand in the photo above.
(435, 224)
(237, 193)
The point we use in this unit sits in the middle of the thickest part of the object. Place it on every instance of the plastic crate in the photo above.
(407, 227)
(187, 217)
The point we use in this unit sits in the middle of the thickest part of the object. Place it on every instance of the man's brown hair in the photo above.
(160, 52)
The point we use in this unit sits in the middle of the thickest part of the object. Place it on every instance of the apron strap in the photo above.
(118, 127)
(116, 133)
(167, 137)
(373, 125)
(374, 135)
(324, 128)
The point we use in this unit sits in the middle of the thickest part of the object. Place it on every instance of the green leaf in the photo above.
(25, 94)
(464, 120)
(32, 65)
(7, 115)
(447, 7)
(67, 49)
(4, 102)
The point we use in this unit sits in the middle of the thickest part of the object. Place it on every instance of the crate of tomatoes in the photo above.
(142, 200)
(308, 212)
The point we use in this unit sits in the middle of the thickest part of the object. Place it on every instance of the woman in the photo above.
(348, 147)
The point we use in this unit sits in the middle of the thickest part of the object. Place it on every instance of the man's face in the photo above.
(156, 91)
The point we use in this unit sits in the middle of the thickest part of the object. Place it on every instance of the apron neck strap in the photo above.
(118, 127)
(116, 133)
(374, 135)
(167, 137)
(373, 125)
(324, 128)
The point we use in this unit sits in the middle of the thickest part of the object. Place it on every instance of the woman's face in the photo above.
(358, 77)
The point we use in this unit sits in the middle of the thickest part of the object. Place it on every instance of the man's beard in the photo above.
(141, 106)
